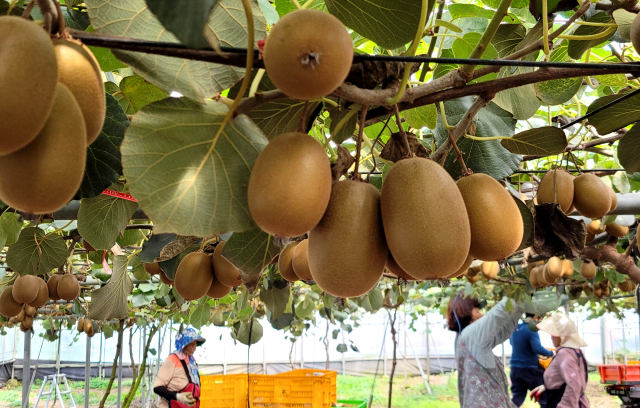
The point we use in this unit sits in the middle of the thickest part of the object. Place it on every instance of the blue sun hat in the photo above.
(186, 337)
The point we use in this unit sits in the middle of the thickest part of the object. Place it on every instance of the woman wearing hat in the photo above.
(178, 382)
(565, 380)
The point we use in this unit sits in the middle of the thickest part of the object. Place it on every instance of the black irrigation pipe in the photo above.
(600, 109)
(528, 171)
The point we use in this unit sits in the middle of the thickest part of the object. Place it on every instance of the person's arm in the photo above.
(163, 379)
(573, 377)
(495, 327)
(536, 346)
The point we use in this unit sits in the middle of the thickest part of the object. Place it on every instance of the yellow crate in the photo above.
(223, 391)
(333, 375)
(269, 391)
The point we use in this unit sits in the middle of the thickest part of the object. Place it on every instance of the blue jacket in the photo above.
(526, 347)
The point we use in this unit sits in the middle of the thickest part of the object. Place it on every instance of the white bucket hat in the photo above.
(560, 325)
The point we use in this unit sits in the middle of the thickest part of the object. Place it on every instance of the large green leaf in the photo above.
(276, 298)
(480, 156)
(373, 300)
(468, 10)
(188, 24)
(389, 23)
(617, 116)
(110, 301)
(251, 252)
(544, 141)
(612, 79)
(247, 328)
(624, 19)
(336, 115)
(195, 79)
(10, 226)
(104, 56)
(151, 249)
(422, 116)
(35, 252)
(558, 91)
(578, 47)
(103, 155)
(184, 180)
(200, 317)
(521, 101)
(629, 150)
(103, 218)
(462, 48)
(443, 68)
(134, 92)
(507, 38)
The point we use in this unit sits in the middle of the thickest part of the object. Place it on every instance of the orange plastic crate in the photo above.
(610, 373)
(281, 391)
(223, 391)
(305, 372)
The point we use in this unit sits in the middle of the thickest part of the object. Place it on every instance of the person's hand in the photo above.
(535, 394)
(186, 398)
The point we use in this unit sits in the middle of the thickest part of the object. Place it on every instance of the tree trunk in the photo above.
(395, 360)
(114, 368)
(326, 345)
(134, 369)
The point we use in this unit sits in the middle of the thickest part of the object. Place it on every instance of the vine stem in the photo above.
(589, 37)
(295, 3)
(307, 4)
(465, 170)
(412, 51)
(363, 118)
(545, 29)
(256, 82)
(432, 44)
(593, 23)
(627, 252)
(402, 132)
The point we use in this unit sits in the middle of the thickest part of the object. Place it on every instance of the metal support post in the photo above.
(58, 354)
(426, 334)
(603, 339)
(144, 377)
(119, 402)
(26, 368)
(87, 372)
(404, 335)
(302, 353)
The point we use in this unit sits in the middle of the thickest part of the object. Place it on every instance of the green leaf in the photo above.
(269, 11)
(521, 101)
(529, 226)
(251, 252)
(107, 61)
(342, 348)
(305, 309)
(612, 79)
(200, 317)
(151, 249)
(10, 226)
(468, 10)
(103, 218)
(138, 269)
(423, 116)
(336, 115)
(189, 24)
(335, 334)
(35, 253)
(107, 331)
(507, 38)
(389, 23)
(448, 25)
(623, 19)
(544, 141)
(481, 156)
(275, 300)
(372, 301)
(558, 91)
(141, 299)
(286, 6)
(578, 47)
(245, 328)
(194, 79)
(103, 166)
(184, 180)
(629, 150)
(130, 237)
(110, 301)
(462, 48)
(621, 182)
(137, 92)
(617, 116)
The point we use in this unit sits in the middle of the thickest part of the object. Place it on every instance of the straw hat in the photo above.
(560, 325)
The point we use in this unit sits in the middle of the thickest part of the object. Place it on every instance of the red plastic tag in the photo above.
(118, 194)
(261, 47)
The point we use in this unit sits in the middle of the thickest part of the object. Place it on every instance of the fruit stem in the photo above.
(627, 252)
(295, 3)
(588, 78)
(446, 124)
(402, 132)
(486, 138)
(465, 170)
(27, 10)
(59, 229)
(593, 23)
(411, 52)
(605, 33)
(363, 118)
(256, 82)
(307, 4)
(545, 30)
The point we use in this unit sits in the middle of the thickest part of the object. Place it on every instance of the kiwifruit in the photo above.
(89, 330)
(27, 321)
(490, 269)
(591, 196)
(594, 227)
(567, 268)
(28, 78)
(474, 270)
(194, 276)
(20, 316)
(463, 269)
(224, 270)
(627, 286)
(300, 260)
(473, 279)
(80, 326)
(23, 328)
(616, 230)
(87, 325)
(290, 185)
(563, 192)
(43, 294)
(68, 287)
(347, 249)
(308, 54)
(533, 277)
(52, 285)
(25, 288)
(598, 292)
(217, 290)
(614, 199)
(152, 268)
(87, 246)
(547, 277)
(496, 223)
(419, 202)
(165, 279)
(531, 265)
(590, 237)
(45, 175)
(635, 33)
(606, 291)
(285, 263)
(29, 310)
(80, 72)
(555, 267)
(588, 269)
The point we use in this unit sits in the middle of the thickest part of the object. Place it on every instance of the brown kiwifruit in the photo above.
(68, 287)
(548, 277)
(152, 268)
(588, 269)
(224, 270)
(89, 330)
(591, 196)
(165, 279)
(567, 268)
(555, 267)
(217, 290)
(463, 269)
(27, 322)
(23, 328)
(473, 279)
(594, 227)
(561, 194)
(495, 220)
(616, 230)
(86, 245)
(397, 271)
(25, 288)
(627, 286)
(531, 265)
(79, 70)
(300, 260)
(80, 326)
(194, 276)
(28, 78)
(29, 310)
(43, 294)
(52, 286)
(87, 325)
(419, 201)
(533, 277)
(347, 249)
(308, 54)
(20, 316)
(290, 185)
(474, 270)
(614, 200)
(590, 237)
(490, 269)
(285, 263)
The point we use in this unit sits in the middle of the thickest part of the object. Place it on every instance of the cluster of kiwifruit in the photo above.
(600, 289)
(488, 269)
(593, 229)
(85, 325)
(53, 106)
(543, 274)
(25, 318)
(33, 291)
(586, 193)
(201, 274)
(627, 286)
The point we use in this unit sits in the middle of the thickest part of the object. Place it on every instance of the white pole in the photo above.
(26, 369)
(120, 333)
(87, 372)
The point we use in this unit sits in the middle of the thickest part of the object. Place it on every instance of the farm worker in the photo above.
(565, 380)
(178, 382)
(526, 373)
(482, 381)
